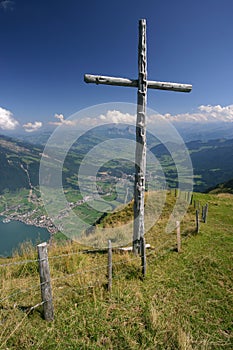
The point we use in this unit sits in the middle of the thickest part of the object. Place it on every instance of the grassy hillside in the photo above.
(185, 301)
(211, 160)
(226, 187)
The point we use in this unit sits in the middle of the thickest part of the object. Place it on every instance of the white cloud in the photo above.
(204, 114)
(117, 117)
(62, 121)
(7, 121)
(111, 117)
(30, 127)
(7, 4)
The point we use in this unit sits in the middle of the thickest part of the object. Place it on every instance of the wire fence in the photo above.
(103, 268)
(66, 276)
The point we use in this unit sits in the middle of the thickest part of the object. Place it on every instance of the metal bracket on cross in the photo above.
(140, 154)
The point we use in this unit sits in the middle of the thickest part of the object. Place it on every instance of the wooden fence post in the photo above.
(46, 289)
(191, 199)
(143, 256)
(178, 236)
(197, 221)
(205, 213)
(109, 265)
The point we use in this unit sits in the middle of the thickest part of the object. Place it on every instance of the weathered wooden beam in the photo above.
(178, 236)
(109, 265)
(105, 80)
(140, 152)
(159, 85)
(46, 289)
(197, 221)
(143, 256)
(129, 249)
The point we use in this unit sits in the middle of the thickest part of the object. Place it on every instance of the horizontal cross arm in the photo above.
(105, 80)
(160, 85)
(99, 79)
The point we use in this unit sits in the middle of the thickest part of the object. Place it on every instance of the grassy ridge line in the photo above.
(184, 302)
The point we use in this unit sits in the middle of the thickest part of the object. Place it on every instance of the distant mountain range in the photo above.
(212, 161)
(20, 160)
(190, 130)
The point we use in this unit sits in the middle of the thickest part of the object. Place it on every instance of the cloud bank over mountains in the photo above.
(30, 127)
(204, 114)
(61, 120)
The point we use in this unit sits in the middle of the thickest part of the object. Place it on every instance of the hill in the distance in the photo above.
(226, 187)
(211, 160)
(19, 164)
(20, 160)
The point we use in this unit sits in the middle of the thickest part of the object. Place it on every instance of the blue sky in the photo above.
(48, 45)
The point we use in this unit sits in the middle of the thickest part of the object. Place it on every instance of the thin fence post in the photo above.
(46, 289)
(191, 199)
(205, 213)
(109, 265)
(197, 221)
(178, 236)
(143, 256)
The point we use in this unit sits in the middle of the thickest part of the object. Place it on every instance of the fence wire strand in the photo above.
(20, 323)
(22, 291)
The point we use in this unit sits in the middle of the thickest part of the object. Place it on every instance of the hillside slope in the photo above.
(19, 164)
(185, 301)
(226, 187)
(211, 160)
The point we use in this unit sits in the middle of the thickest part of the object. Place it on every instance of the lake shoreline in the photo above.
(15, 232)
(43, 222)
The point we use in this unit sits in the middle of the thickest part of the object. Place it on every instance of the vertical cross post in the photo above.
(140, 153)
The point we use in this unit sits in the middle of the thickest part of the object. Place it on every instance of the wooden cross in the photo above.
(140, 154)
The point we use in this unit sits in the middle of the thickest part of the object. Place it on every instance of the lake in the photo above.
(13, 233)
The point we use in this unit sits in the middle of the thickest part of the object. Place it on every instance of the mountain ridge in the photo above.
(212, 160)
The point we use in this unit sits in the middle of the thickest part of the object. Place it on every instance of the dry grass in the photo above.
(185, 301)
